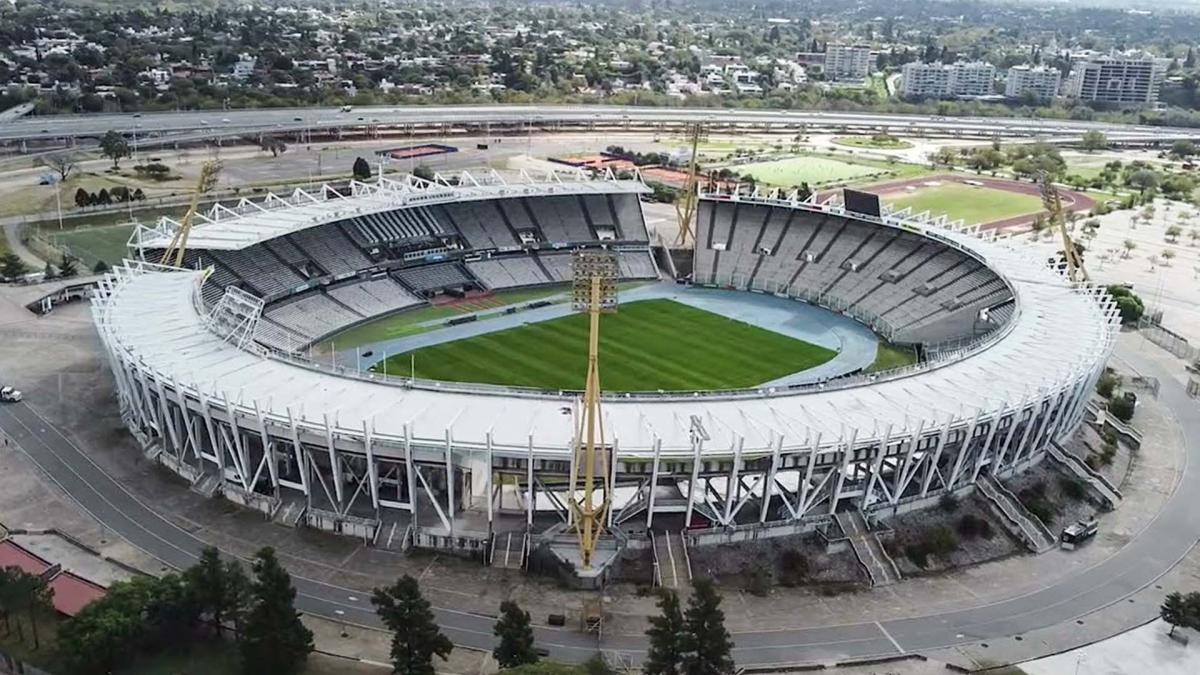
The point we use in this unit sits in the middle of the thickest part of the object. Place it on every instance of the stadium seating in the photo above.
(312, 315)
(636, 265)
(390, 226)
(924, 291)
(479, 223)
(329, 248)
(627, 210)
(562, 219)
(266, 274)
(429, 278)
(372, 297)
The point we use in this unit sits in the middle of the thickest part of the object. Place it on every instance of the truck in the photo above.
(9, 395)
(1077, 533)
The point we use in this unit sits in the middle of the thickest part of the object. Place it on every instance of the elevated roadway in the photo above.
(1147, 556)
(193, 126)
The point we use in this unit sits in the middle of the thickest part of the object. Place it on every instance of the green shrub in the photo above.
(971, 526)
(758, 582)
(1073, 488)
(918, 554)
(1121, 408)
(1107, 384)
(793, 568)
(940, 541)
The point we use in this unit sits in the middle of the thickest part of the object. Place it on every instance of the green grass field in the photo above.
(874, 143)
(888, 357)
(410, 322)
(90, 244)
(647, 345)
(808, 169)
(970, 203)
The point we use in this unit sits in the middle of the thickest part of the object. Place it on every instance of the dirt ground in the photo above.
(735, 565)
(911, 528)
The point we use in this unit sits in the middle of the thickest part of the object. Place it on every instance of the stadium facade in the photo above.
(211, 375)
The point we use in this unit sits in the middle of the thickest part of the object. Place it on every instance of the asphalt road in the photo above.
(1153, 552)
(195, 125)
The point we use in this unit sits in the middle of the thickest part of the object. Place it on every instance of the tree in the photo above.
(67, 268)
(423, 172)
(220, 588)
(24, 593)
(1129, 246)
(1172, 233)
(668, 637)
(1174, 611)
(1167, 256)
(415, 636)
(82, 198)
(1128, 304)
(12, 267)
(1183, 149)
(708, 645)
(1121, 408)
(516, 637)
(1093, 140)
(273, 639)
(1143, 180)
(361, 170)
(100, 267)
(114, 146)
(62, 163)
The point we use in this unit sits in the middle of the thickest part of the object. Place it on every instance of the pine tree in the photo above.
(208, 580)
(361, 169)
(273, 640)
(415, 636)
(708, 644)
(516, 637)
(67, 268)
(1174, 611)
(82, 198)
(668, 636)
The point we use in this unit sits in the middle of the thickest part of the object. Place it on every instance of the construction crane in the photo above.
(594, 292)
(685, 205)
(173, 256)
(1056, 218)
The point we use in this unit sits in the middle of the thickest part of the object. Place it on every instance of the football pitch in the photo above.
(807, 169)
(973, 204)
(646, 346)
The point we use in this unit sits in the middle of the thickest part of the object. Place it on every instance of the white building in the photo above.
(847, 63)
(1040, 82)
(1121, 81)
(938, 80)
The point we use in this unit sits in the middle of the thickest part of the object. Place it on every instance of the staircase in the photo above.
(672, 568)
(868, 549)
(1021, 522)
(508, 550)
(1078, 468)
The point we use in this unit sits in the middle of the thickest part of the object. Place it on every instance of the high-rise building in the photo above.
(847, 63)
(937, 80)
(1121, 81)
(1037, 81)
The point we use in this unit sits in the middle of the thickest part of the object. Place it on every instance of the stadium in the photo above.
(396, 360)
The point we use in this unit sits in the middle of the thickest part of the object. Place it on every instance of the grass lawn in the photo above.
(971, 204)
(409, 323)
(869, 142)
(888, 357)
(90, 244)
(646, 345)
(808, 169)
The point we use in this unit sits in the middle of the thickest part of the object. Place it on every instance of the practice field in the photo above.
(647, 345)
(91, 244)
(972, 204)
(808, 169)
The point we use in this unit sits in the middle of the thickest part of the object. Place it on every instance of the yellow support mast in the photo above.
(685, 205)
(595, 293)
(173, 256)
(1055, 213)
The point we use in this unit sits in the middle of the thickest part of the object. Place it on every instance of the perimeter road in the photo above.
(1153, 552)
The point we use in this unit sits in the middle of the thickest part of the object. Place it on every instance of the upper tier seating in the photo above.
(327, 246)
(925, 291)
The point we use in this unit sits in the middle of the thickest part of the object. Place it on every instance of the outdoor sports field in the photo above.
(645, 346)
(972, 204)
(808, 169)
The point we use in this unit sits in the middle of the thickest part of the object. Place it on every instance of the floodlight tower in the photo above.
(594, 292)
(173, 256)
(685, 204)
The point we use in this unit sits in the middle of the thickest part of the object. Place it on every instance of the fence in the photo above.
(1169, 340)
